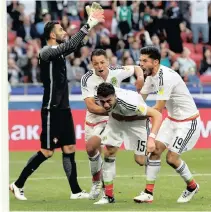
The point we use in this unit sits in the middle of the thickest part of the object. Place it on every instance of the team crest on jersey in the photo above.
(140, 109)
(114, 81)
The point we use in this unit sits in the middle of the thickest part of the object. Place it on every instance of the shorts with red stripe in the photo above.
(179, 136)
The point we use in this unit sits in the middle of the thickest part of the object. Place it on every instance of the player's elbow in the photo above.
(158, 109)
(90, 109)
(154, 114)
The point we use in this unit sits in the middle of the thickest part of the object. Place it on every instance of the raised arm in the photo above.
(50, 53)
(139, 78)
(96, 15)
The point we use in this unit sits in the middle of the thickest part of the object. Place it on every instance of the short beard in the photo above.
(59, 41)
(148, 73)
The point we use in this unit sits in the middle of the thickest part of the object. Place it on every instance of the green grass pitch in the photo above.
(48, 190)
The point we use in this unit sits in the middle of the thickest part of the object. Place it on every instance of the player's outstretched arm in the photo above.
(96, 15)
(139, 78)
(50, 53)
(92, 107)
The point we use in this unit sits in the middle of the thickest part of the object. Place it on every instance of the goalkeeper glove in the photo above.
(95, 13)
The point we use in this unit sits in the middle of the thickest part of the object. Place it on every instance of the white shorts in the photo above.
(134, 135)
(94, 130)
(179, 137)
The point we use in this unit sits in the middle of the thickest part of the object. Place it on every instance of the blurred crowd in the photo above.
(181, 30)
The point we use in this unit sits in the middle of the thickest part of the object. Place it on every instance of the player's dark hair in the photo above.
(98, 52)
(152, 52)
(105, 89)
(48, 28)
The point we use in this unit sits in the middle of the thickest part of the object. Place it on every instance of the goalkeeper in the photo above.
(57, 123)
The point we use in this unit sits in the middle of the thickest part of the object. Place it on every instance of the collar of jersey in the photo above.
(114, 105)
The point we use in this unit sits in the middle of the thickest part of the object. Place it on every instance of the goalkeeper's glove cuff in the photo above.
(91, 22)
(85, 28)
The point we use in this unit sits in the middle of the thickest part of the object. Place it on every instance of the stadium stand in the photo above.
(144, 23)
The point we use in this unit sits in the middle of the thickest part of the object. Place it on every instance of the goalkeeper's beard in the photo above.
(60, 41)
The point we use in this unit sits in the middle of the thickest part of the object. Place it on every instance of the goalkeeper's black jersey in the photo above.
(53, 71)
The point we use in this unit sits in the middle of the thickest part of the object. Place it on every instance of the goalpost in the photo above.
(4, 147)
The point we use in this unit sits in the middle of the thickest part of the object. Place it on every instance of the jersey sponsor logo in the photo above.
(114, 81)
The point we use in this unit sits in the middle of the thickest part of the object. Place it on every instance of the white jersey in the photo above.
(169, 86)
(129, 103)
(90, 82)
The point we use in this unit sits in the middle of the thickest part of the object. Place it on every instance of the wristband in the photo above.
(87, 26)
(152, 135)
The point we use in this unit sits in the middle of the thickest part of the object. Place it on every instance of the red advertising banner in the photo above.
(25, 128)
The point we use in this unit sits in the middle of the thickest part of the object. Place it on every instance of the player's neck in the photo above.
(155, 70)
(105, 77)
(52, 42)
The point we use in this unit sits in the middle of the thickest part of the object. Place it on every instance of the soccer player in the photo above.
(97, 116)
(57, 122)
(126, 112)
(179, 132)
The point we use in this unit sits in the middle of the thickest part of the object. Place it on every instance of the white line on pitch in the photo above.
(118, 176)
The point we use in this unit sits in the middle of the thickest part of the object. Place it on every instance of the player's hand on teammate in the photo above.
(117, 117)
(95, 14)
(150, 144)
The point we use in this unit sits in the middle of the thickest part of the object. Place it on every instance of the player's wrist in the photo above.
(91, 22)
(152, 135)
(85, 29)
(87, 26)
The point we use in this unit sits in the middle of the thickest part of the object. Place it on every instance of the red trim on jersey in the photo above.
(95, 124)
(188, 119)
